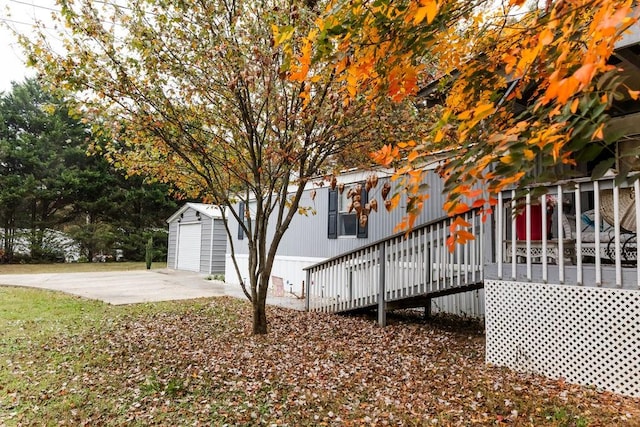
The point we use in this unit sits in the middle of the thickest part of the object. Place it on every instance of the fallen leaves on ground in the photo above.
(195, 363)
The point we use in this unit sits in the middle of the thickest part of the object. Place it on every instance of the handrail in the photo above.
(391, 237)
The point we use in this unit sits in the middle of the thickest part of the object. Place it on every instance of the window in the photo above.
(347, 221)
(341, 221)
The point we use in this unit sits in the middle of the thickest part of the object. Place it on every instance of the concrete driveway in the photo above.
(131, 287)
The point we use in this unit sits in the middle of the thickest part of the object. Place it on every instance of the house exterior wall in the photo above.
(465, 304)
(307, 235)
(306, 241)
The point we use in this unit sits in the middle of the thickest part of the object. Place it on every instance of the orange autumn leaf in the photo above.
(473, 193)
(428, 9)
(574, 105)
(455, 208)
(585, 73)
(546, 37)
(385, 155)
(458, 222)
(463, 236)
(478, 203)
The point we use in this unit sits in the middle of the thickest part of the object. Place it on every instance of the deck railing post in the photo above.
(307, 285)
(382, 309)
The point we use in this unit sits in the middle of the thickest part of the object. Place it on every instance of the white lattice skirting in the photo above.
(586, 335)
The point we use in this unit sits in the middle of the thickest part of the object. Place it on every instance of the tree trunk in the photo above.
(259, 315)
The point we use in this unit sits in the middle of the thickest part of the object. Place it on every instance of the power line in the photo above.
(35, 6)
(106, 3)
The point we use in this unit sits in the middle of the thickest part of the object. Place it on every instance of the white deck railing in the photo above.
(590, 237)
(404, 266)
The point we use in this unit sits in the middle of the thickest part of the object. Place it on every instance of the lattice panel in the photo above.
(585, 335)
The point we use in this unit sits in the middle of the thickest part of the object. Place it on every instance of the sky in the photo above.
(20, 15)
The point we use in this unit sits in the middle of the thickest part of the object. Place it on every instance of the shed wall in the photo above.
(213, 242)
(172, 244)
(219, 247)
(205, 244)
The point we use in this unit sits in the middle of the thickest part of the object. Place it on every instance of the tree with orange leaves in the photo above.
(509, 83)
(191, 93)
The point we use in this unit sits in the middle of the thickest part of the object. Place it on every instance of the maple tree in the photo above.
(192, 93)
(513, 85)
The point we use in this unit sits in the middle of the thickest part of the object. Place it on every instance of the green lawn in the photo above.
(69, 361)
(75, 267)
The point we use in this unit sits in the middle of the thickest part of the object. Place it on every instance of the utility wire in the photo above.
(34, 5)
(106, 3)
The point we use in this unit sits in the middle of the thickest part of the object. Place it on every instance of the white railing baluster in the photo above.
(481, 249)
(469, 217)
(458, 262)
(560, 260)
(528, 233)
(578, 253)
(545, 261)
(499, 237)
(616, 231)
(636, 192)
(440, 262)
(596, 218)
(513, 235)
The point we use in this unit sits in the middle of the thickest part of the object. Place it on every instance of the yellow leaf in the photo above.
(281, 35)
(483, 110)
(412, 156)
(429, 9)
(574, 105)
(546, 37)
(529, 154)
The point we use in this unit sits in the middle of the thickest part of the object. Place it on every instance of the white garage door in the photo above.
(189, 247)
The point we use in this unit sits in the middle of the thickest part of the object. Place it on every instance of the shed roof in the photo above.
(211, 211)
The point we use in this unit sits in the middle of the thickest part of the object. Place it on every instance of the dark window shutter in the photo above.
(241, 214)
(363, 232)
(332, 232)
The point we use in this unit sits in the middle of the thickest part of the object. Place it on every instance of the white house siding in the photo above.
(307, 235)
(466, 304)
(290, 269)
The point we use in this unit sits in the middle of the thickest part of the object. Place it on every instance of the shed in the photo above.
(197, 239)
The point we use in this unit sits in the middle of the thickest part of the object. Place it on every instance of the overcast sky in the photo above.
(19, 15)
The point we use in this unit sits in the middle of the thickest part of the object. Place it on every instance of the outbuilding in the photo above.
(197, 239)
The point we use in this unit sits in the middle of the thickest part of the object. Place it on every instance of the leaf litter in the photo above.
(196, 363)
